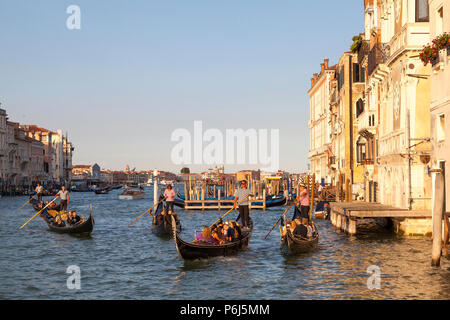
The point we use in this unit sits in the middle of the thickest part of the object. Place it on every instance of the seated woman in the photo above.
(237, 229)
(229, 233)
(58, 222)
(205, 236)
(217, 240)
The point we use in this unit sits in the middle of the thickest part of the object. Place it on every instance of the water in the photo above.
(121, 262)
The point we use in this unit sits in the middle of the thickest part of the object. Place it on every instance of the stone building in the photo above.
(320, 142)
(440, 93)
(346, 96)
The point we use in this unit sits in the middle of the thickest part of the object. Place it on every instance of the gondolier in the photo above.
(39, 191)
(63, 194)
(241, 194)
(169, 193)
(303, 200)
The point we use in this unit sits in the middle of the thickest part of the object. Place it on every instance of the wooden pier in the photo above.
(345, 215)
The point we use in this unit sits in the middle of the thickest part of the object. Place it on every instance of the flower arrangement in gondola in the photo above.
(430, 51)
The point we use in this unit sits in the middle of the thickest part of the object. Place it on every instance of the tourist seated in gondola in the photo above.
(58, 222)
(229, 234)
(285, 228)
(217, 238)
(237, 228)
(73, 218)
(205, 236)
(299, 229)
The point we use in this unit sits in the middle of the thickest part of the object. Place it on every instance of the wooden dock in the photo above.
(344, 215)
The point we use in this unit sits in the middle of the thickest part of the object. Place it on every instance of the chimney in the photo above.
(322, 68)
(326, 61)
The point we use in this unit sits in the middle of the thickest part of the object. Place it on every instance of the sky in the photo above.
(138, 70)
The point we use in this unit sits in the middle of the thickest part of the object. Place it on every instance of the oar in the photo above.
(38, 213)
(25, 203)
(230, 210)
(279, 220)
(146, 212)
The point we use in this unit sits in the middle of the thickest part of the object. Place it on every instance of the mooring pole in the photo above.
(437, 212)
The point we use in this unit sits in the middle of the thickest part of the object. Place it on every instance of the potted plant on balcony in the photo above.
(357, 42)
(441, 42)
(427, 54)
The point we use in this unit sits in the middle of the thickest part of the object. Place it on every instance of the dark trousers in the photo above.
(302, 213)
(63, 205)
(39, 196)
(169, 205)
(243, 213)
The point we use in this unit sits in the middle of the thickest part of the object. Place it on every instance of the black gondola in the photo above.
(36, 206)
(84, 227)
(163, 226)
(102, 191)
(190, 250)
(295, 244)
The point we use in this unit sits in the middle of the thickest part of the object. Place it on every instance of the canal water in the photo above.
(121, 262)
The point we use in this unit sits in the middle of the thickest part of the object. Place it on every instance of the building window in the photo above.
(422, 11)
(341, 78)
(359, 73)
(440, 125)
(359, 107)
(361, 150)
(440, 21)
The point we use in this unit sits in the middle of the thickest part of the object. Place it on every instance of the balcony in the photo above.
(413, 36)
(367, 122)
(378, 55)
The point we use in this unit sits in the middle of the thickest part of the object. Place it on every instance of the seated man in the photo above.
(299, 230)
(229, 233)
(73, 217)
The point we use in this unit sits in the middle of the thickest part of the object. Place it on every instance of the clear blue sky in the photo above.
(137, 70)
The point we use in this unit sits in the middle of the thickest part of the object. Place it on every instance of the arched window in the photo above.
(361, 151)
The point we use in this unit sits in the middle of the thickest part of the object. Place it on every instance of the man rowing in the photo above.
(63, 194)
(39, 192)
(241, 194)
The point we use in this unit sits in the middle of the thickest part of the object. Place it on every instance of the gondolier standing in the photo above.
(64, 196)
(169, 193)
(303, 200)
(39, 191)
(239, 195)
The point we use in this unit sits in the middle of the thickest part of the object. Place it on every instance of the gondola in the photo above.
(295, 244)
(84, 227)
(35, 204)
(102, 191)
(190, 250)
(163, 227)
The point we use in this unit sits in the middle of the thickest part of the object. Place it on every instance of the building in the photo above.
(440, 92)
(320, 139)
(403, 95)
(346, 96)
(3, 148)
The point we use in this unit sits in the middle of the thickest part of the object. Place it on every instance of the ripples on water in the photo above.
(121, 262)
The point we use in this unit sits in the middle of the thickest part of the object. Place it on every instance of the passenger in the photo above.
(205, 236)
(216, 238)
(309, 226)
(229, 234)
(73, 217)
(237, 229)
(299, 230)
(285, 227)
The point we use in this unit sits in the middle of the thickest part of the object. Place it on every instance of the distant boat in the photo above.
(132, 194)
(102, 190)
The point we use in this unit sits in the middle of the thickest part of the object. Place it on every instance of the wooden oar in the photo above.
(25, 203)
(230, 210)
(38, 213)
(149, 211)
(279, 220)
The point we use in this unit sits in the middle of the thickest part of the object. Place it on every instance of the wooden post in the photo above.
(311, 204)
(264, 199)
(155, 191)
(218, 203)
(203, 197)
(437, 211)
(351, 226)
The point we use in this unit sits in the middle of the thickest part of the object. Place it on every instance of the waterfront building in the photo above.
(403, 95)
(320, 141)
(3, 147)
(440, 93)
(346, 97)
